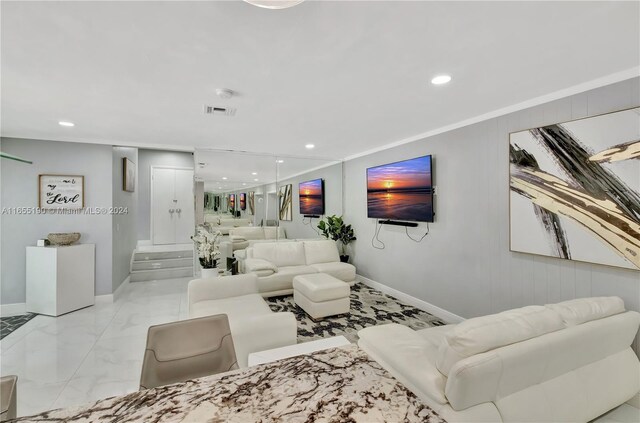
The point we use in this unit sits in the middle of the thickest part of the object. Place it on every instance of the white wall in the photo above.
(332, 176)
(146, 159)
(464, 265)
(20, 189)
(123, 224)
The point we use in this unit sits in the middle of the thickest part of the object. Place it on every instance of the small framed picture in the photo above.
(61, 191)
(128, 175)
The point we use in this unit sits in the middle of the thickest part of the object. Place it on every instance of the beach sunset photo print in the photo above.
(311, 195)
(401, 190)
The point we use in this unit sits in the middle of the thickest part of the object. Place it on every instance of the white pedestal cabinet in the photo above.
(60, 279)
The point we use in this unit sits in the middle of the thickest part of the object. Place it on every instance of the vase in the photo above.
(209, 273)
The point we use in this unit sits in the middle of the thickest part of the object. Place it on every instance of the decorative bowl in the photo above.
(63, 238)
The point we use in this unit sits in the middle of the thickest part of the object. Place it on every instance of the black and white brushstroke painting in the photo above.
(575, 190)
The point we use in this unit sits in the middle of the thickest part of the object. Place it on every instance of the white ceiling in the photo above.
(346, 76)
(238, 169)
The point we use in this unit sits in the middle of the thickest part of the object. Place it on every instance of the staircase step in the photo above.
(162, 264)
(156, 274)
(161, 255)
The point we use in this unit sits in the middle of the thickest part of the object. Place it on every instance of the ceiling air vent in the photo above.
(219, 111)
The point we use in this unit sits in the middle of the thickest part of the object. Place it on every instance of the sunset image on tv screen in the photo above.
(243, 201)
(311, 198)
(401, 190)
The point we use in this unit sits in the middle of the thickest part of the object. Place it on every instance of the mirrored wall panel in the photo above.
(240, 190)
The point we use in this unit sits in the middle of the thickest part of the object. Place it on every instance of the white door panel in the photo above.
(163, 181)
(184, 218)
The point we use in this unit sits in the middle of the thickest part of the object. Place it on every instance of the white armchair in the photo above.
(254, 326)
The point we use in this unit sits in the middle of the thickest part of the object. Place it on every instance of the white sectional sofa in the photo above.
(277, 263)
(254, 327)
(225, 224)
(566, 362)
(242, 237)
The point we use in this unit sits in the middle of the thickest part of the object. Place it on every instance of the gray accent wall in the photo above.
(20, 189)
(464, 265)
(124, 233)
(146, 159)
(301, 227)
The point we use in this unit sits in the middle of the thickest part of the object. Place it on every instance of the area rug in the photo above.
(10, 324)
(369, 307)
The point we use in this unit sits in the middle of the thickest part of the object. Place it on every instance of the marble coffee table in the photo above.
(338, 384)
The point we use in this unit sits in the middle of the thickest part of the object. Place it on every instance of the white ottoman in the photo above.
(321, 295)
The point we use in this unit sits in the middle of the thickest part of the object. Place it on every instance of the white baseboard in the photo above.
(102, 299)
(443, 314)
(144, 242)
(7, 310)
(120, 290)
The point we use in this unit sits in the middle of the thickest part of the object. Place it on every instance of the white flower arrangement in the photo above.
(207, 246)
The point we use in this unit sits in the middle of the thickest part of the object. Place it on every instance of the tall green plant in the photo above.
(334, 228)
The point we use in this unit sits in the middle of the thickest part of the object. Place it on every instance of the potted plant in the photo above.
(208, 252)
(334, 228)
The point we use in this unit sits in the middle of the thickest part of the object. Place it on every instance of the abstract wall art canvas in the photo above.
(285, 200)
(252, 202)
(575, 190)
(128, 175)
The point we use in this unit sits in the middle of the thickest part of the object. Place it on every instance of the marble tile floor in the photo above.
(91, 353)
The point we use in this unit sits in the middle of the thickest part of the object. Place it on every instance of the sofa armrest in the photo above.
(221, 287)
(260, 267)
(239, 245)
(262, 332)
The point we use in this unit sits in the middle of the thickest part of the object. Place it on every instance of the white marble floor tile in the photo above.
(84, 390)
(91, 353)
(35, 397)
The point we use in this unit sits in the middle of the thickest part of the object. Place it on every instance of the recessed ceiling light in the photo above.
(256, 179)
(280, 161)
(254, 173)
(274, 4)
(440, 79)
(224, 178)
(65, 123)
(309, 146)
(243, 184)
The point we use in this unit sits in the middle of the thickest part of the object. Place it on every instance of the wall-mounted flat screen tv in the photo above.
(243, 201)
(311, 195)
(232, 202)
(401, 190)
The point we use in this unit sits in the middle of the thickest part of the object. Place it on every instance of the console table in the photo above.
(60, 279)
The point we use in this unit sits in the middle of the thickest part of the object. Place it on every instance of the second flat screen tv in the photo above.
(311, 195)
(401, 190)
(243, 201)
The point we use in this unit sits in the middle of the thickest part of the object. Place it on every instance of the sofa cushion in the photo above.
(280, 253)
(344, 271)
(283, 280)
(270, 232)
(324, 251)
(582, 310)
(480, 334)
(404, 353)
(233, 307)
(434, 336)
(246, 233)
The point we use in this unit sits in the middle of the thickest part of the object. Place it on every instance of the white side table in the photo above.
(60, 279)
(275, 354)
